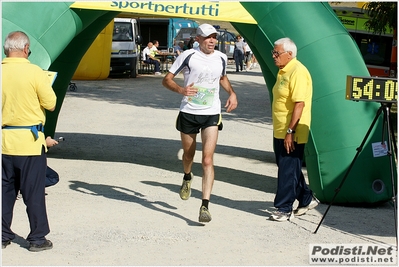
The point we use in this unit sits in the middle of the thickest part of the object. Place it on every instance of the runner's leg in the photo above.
(189, 145)
(209, 137)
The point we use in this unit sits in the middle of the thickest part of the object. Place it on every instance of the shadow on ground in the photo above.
(124, 194)
(145, 151)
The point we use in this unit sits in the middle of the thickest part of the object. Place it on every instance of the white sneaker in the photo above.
(302, 210)
(280, 216)
(158, 73)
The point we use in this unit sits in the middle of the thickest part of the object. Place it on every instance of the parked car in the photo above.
(226, 39)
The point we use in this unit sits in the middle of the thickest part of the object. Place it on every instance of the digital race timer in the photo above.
(371, 89)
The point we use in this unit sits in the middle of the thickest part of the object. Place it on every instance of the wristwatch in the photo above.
(290, 131)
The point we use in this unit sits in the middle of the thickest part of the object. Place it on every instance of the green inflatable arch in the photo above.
(60, 38)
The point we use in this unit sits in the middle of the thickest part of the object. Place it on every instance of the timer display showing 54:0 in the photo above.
(371, 89)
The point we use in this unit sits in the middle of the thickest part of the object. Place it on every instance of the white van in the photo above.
(124, 52)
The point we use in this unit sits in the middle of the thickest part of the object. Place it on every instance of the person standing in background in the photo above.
(238, 53)
(248, 57)
(291, 111)
(24, 148)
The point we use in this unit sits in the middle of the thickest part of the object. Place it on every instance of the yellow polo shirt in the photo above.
(293, 84)
(26, 93)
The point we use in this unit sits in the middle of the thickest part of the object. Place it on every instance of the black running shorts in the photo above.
(191, 124)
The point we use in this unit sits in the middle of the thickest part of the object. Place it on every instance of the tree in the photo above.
(382, 15)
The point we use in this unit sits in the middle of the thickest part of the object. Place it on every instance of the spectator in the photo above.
(291, 108)
(238, 54)
(179, 48)
(248, 57)
(154, 49)
(24, 146)
(149, 58)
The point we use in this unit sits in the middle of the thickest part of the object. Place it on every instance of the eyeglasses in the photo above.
(277, 54)
(30, 52)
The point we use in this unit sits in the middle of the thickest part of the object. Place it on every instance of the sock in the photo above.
(187, 176)
(205, 203)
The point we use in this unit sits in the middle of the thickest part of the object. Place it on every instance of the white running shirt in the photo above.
(205, 72)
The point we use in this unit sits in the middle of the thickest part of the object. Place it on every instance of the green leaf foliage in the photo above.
(383, 16)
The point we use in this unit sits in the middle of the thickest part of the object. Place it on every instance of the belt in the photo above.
(34, 129)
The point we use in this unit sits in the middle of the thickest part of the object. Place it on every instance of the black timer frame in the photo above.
(385, 108)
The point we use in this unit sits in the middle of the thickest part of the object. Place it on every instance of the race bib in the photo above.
(204, 96)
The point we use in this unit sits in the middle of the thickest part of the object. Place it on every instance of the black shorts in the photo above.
(191, 124)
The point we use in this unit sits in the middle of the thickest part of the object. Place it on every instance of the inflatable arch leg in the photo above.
(338, 125)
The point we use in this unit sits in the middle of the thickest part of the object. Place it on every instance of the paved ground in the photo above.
(120, 169)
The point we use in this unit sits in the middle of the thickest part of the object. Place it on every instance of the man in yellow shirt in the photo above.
(26, 93)
(291, 108)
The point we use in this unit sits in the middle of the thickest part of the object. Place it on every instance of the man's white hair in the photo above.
(288, 45)
(15, 41)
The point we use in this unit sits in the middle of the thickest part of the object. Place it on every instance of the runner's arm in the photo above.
(231, 102)
(169, 83)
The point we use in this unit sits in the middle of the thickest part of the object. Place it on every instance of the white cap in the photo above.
(205, 30)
